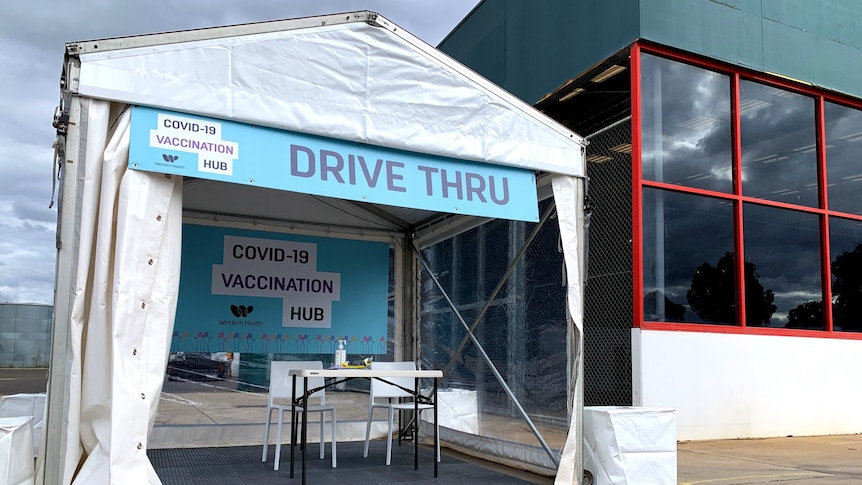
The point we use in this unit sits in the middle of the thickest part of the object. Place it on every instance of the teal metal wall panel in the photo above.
(834, 20)
(480, 41)
(530, 48)
(726, 30)
(818, 42)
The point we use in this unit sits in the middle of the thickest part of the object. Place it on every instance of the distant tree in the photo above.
(847, 290)
(712, 295)
(807, 315)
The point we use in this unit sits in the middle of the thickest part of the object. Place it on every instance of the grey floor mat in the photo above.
(241, 465)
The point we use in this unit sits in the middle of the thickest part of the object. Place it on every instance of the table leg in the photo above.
(416, 423)
(436, 437)
(292, 424)
(304, 426)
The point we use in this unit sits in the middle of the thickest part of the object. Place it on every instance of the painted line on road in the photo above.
(749, 477)
(178, 399)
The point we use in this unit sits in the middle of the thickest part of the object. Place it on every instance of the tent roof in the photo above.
(352, 76)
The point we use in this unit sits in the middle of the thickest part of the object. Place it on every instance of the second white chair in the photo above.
(280, 396)
(383, 390)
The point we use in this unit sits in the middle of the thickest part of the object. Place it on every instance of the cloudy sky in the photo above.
(32, 39)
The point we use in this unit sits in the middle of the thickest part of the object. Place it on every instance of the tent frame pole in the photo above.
(52, 465)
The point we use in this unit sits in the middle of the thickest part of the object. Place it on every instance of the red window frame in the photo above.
(735, 73)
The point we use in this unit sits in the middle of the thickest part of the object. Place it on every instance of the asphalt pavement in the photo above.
(29, 381)
(809, 460)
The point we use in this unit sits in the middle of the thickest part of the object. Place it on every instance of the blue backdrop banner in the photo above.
(251, 291)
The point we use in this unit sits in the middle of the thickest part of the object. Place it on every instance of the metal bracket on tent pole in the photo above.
(588, 212)
(61, 123)
(488, 361)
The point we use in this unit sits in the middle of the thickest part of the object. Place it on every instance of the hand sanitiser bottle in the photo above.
(340, 353)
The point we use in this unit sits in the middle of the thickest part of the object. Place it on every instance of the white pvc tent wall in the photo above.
(353, 76)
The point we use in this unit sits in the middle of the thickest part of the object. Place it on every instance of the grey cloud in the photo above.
(28, 263)
(32, 43)
(31, 211)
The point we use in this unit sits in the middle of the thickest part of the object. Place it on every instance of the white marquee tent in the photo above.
(355, 77)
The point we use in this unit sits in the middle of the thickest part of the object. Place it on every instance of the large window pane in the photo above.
(688, 258)
(782, 266)
(779, 145)
(686, 125)
(844, 157)
(845, 248)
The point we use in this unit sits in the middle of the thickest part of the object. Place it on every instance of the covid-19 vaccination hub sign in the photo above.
(183, 144)
(253, 291)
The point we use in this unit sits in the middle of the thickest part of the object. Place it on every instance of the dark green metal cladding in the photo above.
(818, 42)
(532, 47)
(726, 30)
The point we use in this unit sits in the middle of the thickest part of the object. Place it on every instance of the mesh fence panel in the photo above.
(608, 291)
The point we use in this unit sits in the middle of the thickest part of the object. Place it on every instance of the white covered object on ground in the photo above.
(16, 441)
(630, 445)
(15, 405)
(456, 409)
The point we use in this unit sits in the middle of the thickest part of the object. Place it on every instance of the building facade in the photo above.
(725, 236)
(25, 334)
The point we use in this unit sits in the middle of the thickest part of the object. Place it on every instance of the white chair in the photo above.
(281, 395)
(380, 390)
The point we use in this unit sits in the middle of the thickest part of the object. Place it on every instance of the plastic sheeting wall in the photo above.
(523, 331)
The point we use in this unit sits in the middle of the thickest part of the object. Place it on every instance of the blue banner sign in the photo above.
(264, 292)
(168, 142)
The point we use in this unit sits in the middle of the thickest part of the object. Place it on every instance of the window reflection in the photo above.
(688, 252)
(844, 157)
(779, 145)
(686, 125)
(845, 248)
(784, 288)
(686, 275)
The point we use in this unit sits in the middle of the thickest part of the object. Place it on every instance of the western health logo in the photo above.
(241, 310)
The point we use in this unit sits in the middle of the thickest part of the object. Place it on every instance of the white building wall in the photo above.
(726, 386)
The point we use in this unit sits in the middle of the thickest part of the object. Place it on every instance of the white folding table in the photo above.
(338, 375)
